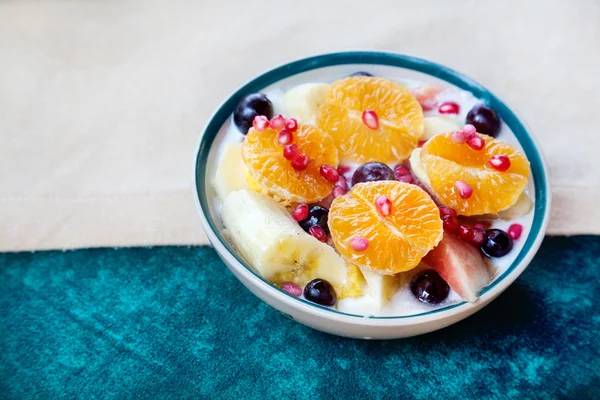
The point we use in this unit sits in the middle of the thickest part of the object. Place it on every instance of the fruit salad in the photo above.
(373, 195)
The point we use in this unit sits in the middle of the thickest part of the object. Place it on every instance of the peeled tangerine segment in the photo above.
(264, 159)
(446, 162)
(274, 244)
(400, 119)
(397, 242)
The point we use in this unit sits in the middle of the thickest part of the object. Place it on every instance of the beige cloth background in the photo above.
(102, 102)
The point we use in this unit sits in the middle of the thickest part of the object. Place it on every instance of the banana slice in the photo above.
(303, 101)
(231, 171)
(436, 125)
(381, 287)
(275, 245)
(522, 207)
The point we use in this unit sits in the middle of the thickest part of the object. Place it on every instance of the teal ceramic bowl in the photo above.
(328, 67)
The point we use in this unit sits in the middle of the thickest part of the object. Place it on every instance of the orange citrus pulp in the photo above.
(397, 242)
(400, 119)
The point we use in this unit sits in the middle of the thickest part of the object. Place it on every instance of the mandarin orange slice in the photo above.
(263, 156)
(399, 115)
(447, 162)
(396, 237)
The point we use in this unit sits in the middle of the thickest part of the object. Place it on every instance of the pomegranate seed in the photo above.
(338, 191)
(329, 173)
(384, 205)
(499, 163)
(342, 169)
(464, 190)
(469, 130)
(277, 122)
(342, 182)
(407, 179)
(465, 232)
(292, 289)
(422, 142)
(481, 227)
(447, 211)
(290, 151)
(300, 213)
(291, 124)
(370, 119)
(478, 237)
(515, 231)
(458, 137)
(400, 170)
(449, 107)
(300, 162)
(359, 243)
(285, 137)
(450, 223)
(260, 123)
(318, 232)
(475, 142)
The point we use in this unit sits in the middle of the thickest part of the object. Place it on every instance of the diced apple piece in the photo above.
(381, 287)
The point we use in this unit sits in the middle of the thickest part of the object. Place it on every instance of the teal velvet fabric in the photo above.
(173, 322)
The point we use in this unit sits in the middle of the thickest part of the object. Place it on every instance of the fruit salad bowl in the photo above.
(371, 195)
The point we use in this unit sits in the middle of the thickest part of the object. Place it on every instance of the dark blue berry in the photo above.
(249, 107)
(362, 73)
(429, 287)
(497, 243)
(484, 119)
(371, 172)
(317, 215)
(321, 292)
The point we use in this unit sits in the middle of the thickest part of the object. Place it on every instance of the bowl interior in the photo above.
(329, 67)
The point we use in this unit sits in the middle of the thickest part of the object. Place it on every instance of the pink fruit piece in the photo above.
(285, 137)
(406, 179)
(277, 122)
(317, 232)
(464, 190)
(515, 231)
(292, 289)
(338, 191)
(370, 119)
(359, 243)
(300, 162)
(300, 213)
(290, 151)
(260, 123)
(449, 107)
(291, 124)
(461, 265)
(329, 173)
(384, 205)
(476, 142)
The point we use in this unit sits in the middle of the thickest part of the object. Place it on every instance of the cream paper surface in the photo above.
(102, 102)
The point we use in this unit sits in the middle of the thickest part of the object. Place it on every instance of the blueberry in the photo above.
(249, 107)
(484, 119)
(372, 171)
(429, 287)
(362, 73)
(497, 243)
(321, 292)
(317, 215)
